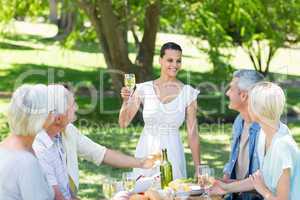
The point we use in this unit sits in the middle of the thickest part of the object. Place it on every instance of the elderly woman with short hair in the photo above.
(21, 177)
(279, 174)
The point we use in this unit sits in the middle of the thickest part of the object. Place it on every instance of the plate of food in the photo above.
(185, 187)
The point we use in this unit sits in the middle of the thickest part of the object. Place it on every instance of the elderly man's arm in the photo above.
(97, 153)
(120, 160)
(57, 193)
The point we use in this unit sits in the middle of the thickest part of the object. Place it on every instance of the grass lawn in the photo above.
(27, 58)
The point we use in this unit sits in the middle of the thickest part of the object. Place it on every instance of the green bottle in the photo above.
(166, 175)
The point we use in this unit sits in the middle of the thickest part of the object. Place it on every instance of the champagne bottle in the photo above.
(166, 175)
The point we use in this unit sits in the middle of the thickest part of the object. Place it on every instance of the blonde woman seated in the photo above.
(21, 176)
(279, 174)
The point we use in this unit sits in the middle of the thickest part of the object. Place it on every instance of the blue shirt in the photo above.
(237, 130)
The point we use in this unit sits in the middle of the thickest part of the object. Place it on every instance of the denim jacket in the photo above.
(237, 130)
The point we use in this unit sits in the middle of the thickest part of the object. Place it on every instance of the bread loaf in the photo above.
(153, 195)
(138, 197)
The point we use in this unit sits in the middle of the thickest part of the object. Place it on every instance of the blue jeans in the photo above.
(244, 196)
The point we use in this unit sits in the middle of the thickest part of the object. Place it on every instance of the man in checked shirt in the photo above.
(59, 145)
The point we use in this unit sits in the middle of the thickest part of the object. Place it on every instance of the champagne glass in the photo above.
(205, 179)
(109, 188)
(128, 181)
(129, 81)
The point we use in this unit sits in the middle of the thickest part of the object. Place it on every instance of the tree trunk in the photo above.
(67, 19)
(112, 31)
(65, 25)
(113, 41)
(146, 51)
(256, 57)
(272, 51)
(53, 16)
(135, 37)
(111, 36)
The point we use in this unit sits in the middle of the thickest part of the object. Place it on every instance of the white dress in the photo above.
(161, 130)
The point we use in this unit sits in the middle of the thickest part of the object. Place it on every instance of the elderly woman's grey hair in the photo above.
(247, 78)
(27, 111)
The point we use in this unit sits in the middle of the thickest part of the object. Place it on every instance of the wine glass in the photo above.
(109, 188)
(129, 81)
(205, 179)
(128, 179)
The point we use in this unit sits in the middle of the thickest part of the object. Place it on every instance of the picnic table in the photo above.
(201, 198)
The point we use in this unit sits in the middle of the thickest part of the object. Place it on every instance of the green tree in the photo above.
(16, 9)
(260, 27)
(111, 20)
(202, 22)
(65, 20)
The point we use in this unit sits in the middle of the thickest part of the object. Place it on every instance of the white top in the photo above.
(75, 144)
(21, 177)
(53, 161)
(283, 153)
(162, 123)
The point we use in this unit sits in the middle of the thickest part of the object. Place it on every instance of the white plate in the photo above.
(195, 191)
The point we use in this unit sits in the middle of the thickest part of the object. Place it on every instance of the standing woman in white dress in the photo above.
(167, 103)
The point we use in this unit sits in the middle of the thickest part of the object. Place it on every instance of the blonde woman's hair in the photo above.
(27, 111)
(267, 100)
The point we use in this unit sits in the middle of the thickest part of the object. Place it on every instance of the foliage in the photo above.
(203, 22)
(14, 9)
(106, 22)
(3, 126)
(260, 27)
(173, 16)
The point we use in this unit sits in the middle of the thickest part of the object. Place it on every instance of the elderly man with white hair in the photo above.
(59, 146)
(21, 176)
(279, 155)
(243, 158)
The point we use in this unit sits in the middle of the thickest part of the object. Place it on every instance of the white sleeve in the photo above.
(191, 95)
(282, 160)
(139, 91)
(32, 183)
(88, 149)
